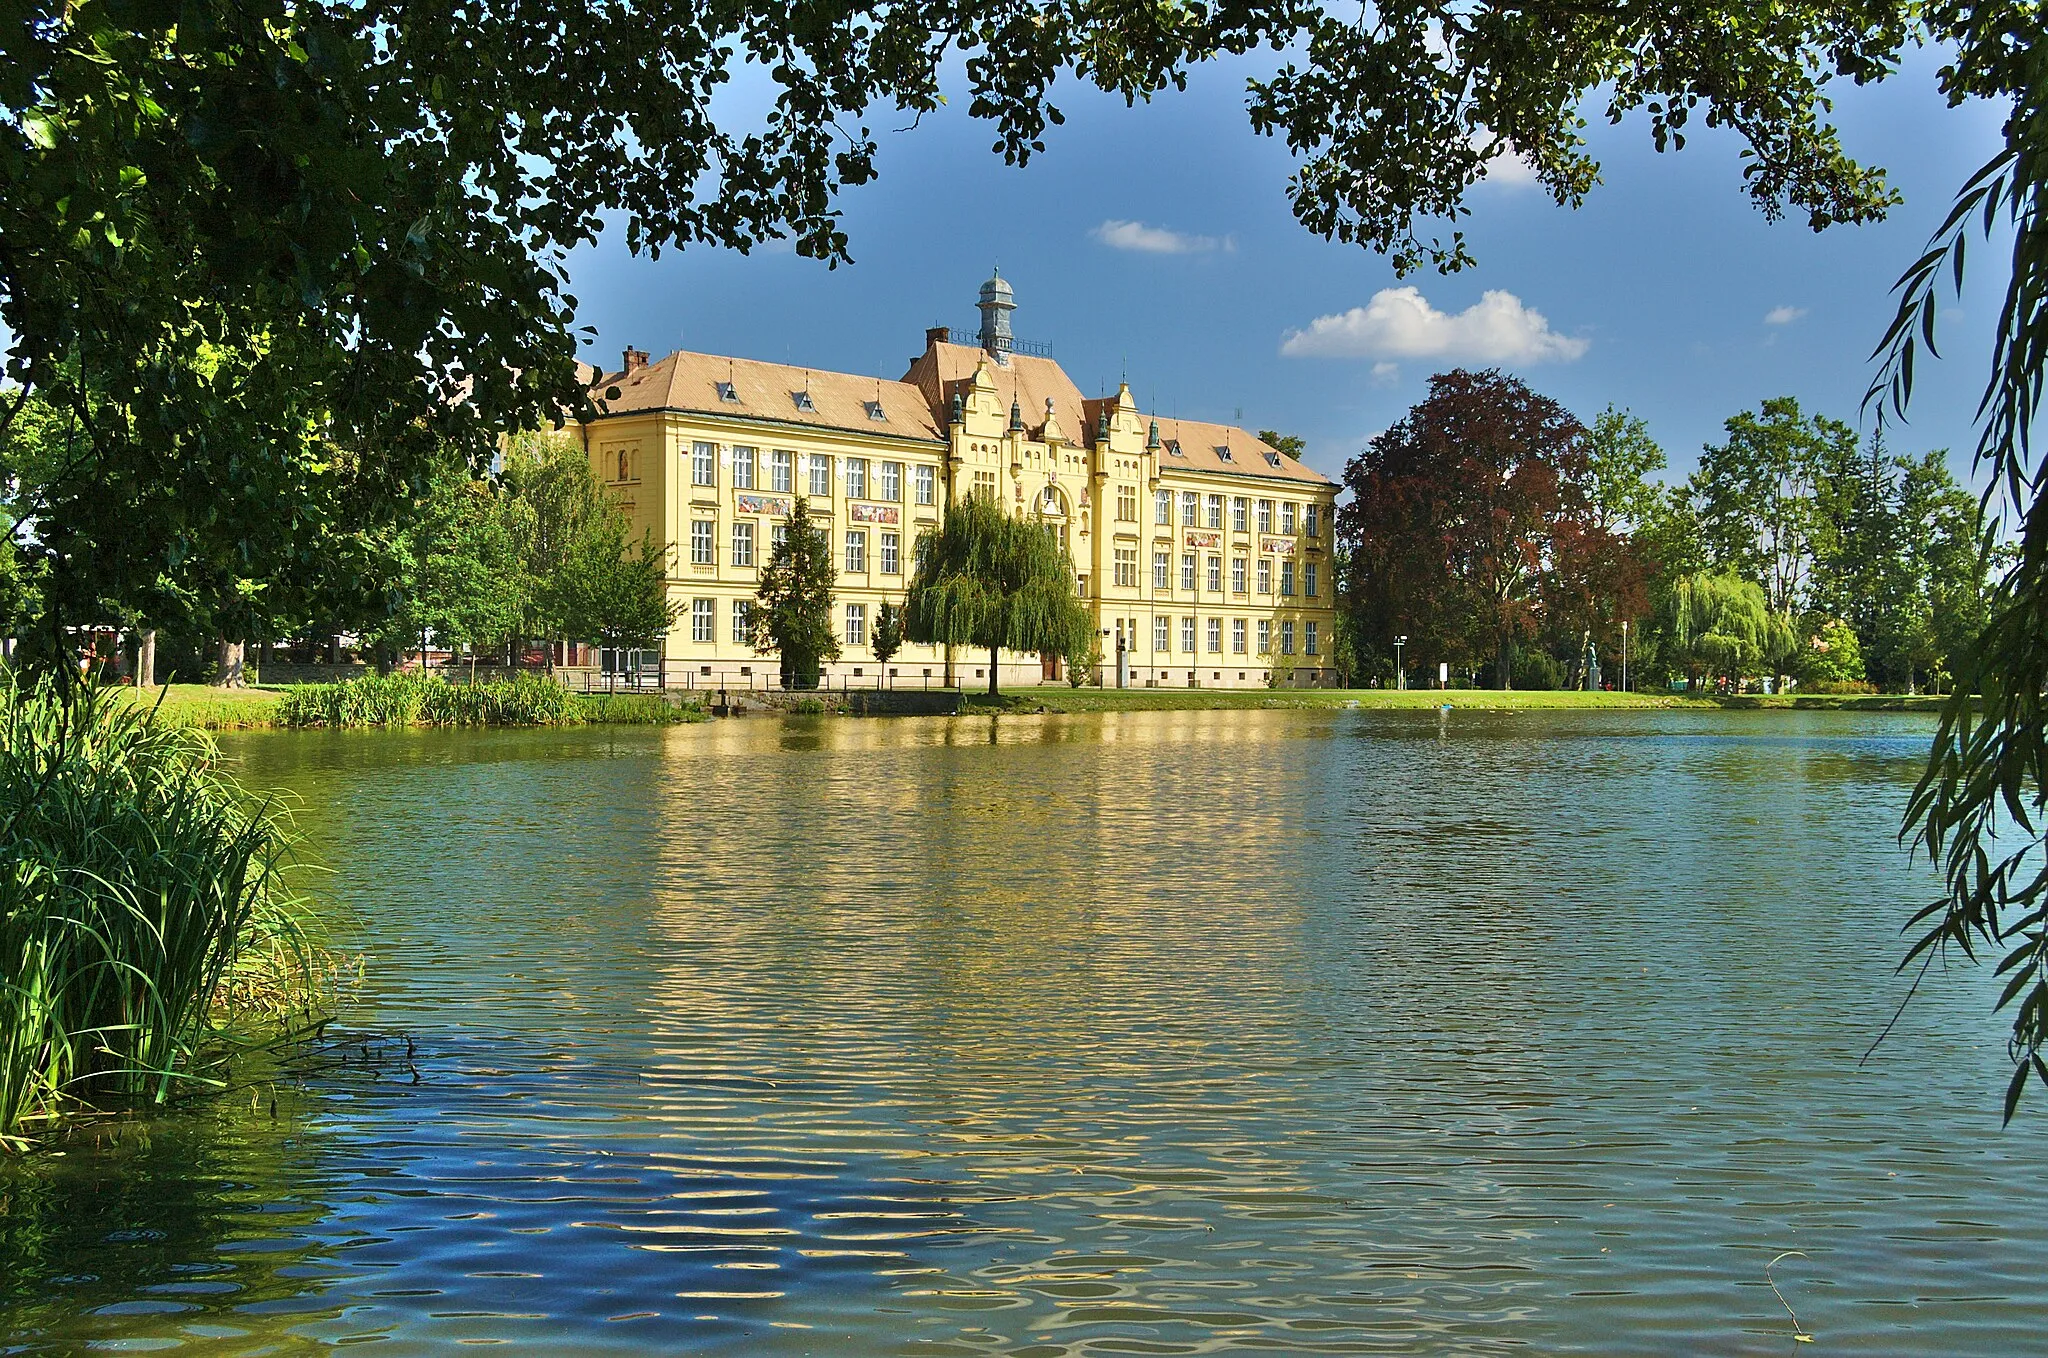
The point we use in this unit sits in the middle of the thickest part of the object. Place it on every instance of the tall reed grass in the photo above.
(427, 700)
(636, 709)
(138, 885)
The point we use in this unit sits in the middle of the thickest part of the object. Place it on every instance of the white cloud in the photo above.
(1384, 373)
(1400, 323)
(1507, 169)
(1157, 240)
(1783, 315)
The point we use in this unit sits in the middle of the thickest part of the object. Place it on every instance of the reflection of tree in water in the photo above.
(130, 1229)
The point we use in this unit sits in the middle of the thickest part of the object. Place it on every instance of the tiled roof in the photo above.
(1199, 452)
(769, 391)
(944, 368)
(917, 406)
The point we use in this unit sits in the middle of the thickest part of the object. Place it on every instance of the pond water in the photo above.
(1159, 1033)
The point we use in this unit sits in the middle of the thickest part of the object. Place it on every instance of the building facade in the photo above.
(1203, 554)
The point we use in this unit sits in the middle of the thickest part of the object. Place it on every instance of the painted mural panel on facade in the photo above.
(761, 504)
(860, 513)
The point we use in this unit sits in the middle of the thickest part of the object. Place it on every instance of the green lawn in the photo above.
(213, 709)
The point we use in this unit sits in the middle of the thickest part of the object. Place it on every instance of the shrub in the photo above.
(425, 700)
(135, 880)
(808, 707)
(636, 709)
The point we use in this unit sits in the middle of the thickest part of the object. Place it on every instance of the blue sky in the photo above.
(1158, 241)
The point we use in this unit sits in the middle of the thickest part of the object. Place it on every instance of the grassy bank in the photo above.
(144, 910)
(1485, 700)
(205, 708)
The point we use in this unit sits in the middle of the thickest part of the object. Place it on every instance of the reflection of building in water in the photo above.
(1203, 554)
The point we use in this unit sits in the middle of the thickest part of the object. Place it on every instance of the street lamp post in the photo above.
(1624, 655)
(1400, 674)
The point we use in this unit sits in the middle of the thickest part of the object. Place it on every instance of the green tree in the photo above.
(613, 590)
(1287, 445)
(985, 579)
(793, 607)
(885, 639)
(1621, 459)
(1722, 626)
(1834, 656)
(1765, 497)
(554, 503)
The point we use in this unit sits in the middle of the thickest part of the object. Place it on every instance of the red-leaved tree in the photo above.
(1469, 525)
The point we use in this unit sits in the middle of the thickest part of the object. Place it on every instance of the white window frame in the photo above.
(782, 471)
(1162, 508)
(856, 478)
(703, 542)
(1310, 640)
(1287, 636)
(1308, 579)
(1216, 511)
(1187, 571)
(892, 482)
(1237, 636)
(1240, 514)
(926, 481)
(1286, 578)
(743, 459)
(1214, 629)
(742, 543)
(856, 624)
(1190, 509)
(1265, 575)
(704, 621)
(1287, 517)
(1265, 516)
(703, 463)
(742, 622)
(1162, 570)
(1162, 635)
(1215, 573)
(1264, 633)
(1187, 635)
(856, 551)
(892, 554)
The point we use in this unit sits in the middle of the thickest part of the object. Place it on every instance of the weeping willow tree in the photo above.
(988, 580)
(1723, 625)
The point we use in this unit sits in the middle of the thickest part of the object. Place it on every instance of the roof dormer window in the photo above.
(1272, 459)
(727, 392)
(803, 400)
(874, 409)
(1173, 447)
(1223, 451)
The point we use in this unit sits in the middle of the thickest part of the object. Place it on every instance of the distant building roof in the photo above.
(771, 392)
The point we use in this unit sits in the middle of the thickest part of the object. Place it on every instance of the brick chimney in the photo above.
(635, 360)
(938, 334)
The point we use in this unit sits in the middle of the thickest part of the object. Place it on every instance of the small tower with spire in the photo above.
(996, 304)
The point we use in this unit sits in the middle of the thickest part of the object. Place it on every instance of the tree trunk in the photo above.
(1501, 662)
(995, 657)
(145, 659)
(231, 672)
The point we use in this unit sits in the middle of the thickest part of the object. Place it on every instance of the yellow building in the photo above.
(1203, 554)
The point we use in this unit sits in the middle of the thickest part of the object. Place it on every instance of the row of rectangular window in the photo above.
(1212, 630)
(780, 467)
(1193, 505)
(704, 622)
(704, 629)
(704, 552)
(1162, 563)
